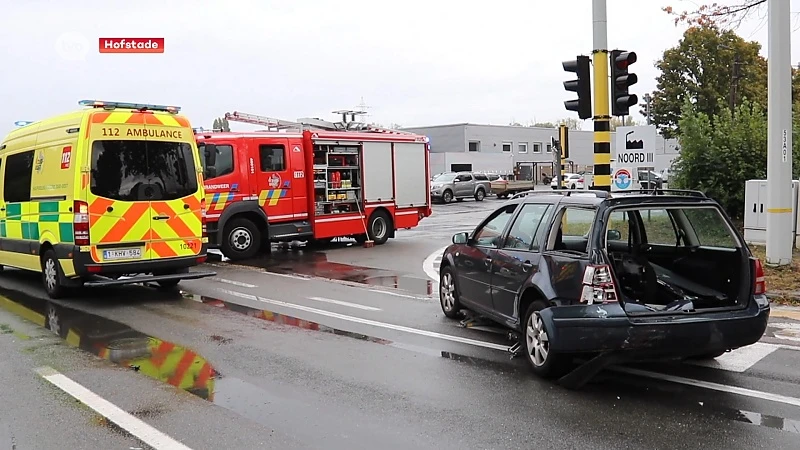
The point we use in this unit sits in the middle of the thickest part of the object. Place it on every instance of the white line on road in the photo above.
(286, 275)
(397, 294)
(129, 423)
(373, 323)
(428, 264)
(233, 282)
(709, 385)
(341, 303)
(741, 359)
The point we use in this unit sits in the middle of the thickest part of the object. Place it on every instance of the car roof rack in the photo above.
(567, 192)
(657, 191)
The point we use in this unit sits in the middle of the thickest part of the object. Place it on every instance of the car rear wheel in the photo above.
(448, 294)
(447, 196)
(536, 342)
(242, 239)
(52, 276)
(480, 195)
(379, 227)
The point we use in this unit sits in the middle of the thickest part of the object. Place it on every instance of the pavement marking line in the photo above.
(429, 267)
(741, 359)
(397, 294)
(710, 385)
(373, 323)
(129, 423)
(286, 275)
(233, 282)
(793, 313)
(341, 303)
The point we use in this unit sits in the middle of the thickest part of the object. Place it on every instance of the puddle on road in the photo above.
(310, 262)
(314, 326)
(117, 343)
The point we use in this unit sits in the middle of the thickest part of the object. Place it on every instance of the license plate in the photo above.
(128, 253)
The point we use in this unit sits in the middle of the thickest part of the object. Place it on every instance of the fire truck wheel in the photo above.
(242, 239)
(379, 227)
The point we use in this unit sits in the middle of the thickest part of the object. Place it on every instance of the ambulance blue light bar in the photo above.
(139, 106)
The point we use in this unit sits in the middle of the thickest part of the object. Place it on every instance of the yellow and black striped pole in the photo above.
(602, 117)
(563, 137)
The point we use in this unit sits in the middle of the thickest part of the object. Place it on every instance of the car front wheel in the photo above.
(448, 294)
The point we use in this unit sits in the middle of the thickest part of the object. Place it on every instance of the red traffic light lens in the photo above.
(625, 59)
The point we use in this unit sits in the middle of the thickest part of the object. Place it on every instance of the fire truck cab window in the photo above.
(223, 165)
(272, 158)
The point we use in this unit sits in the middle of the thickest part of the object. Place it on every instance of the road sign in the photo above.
(636, 146)
(622, 179)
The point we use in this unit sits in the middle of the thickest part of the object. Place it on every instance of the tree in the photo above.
(719, 153)
(715, 14)
(571, 123)
(544, 125)
(711, 68)
(627, 122)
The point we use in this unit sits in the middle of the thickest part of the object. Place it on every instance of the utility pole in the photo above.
(563, 139)
(779, 139)
(602, 119)
(734, 83)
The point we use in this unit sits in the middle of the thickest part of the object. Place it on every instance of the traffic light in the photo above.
(621, 80)
(555, 144)
(582, 86)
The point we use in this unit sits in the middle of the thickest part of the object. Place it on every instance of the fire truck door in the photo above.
(299, 185)
(274, 178)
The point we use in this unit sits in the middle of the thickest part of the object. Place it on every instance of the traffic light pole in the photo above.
(602, 119)
(563, 138)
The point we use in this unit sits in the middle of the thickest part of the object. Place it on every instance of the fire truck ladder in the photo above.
(312, 123)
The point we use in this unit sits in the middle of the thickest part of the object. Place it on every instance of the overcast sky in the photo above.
(414, 63)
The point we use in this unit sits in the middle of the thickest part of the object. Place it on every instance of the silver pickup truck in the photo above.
(460, 185)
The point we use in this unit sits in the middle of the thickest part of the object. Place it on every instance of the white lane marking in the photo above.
(341, 303)
(129, 423)
(710, 385)
(787, 331)
(741, 359)
(373, 323)
(286, 275)
(233, 282)
(397, 294)
(431, 264)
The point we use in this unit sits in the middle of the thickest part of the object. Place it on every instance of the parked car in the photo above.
(634, 274)
(649, 179)
(459, 185)
(570, 181)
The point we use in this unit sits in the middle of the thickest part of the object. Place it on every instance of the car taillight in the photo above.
(203, 216)
(598, 285)
(580, 180)
(760, 284)
(80, 222)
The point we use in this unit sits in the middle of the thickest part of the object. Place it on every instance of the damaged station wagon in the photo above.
(609, 278)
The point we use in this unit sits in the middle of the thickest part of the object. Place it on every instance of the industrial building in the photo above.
(502, 149)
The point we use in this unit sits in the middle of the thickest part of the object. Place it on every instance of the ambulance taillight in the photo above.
(80, 222)
(203, 216)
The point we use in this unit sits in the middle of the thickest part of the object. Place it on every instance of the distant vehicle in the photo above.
(633, 275)
(570, 181)
(460, 185)
(649, 179)
(505, 188)
(665, 175)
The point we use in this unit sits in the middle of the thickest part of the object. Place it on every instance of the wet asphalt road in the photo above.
(275, 358)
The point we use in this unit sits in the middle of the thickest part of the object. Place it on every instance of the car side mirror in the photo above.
(460, 238)
(456, 180)
(613, 235)
(211, 154)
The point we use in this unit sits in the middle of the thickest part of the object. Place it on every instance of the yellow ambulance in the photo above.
(108, 194)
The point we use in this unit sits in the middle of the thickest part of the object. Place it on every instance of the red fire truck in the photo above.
(311, 180)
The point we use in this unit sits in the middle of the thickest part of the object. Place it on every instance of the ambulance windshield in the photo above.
(142, 170)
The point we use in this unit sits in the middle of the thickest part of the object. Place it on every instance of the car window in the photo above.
(464, 178)
(523, 232)
(571, 230)
(481, 177)
(223, 164)
(658, 227)
(272, 158)
(486, 235)
(618, 221)
(710, 227)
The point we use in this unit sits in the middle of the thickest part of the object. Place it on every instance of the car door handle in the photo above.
(527, 265)
(160, 217)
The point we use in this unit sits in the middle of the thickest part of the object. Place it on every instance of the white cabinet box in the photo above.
(755, 211)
